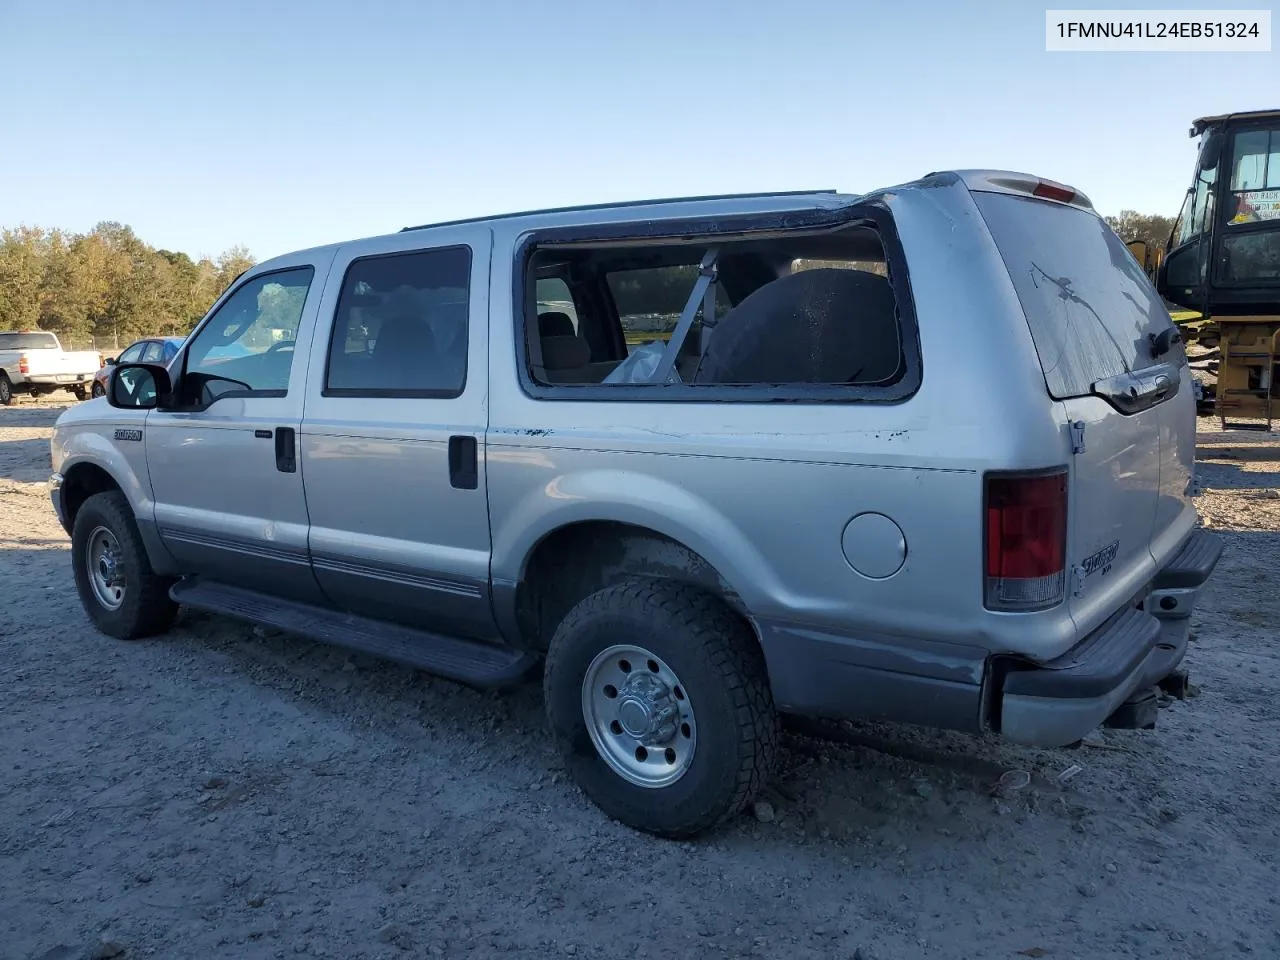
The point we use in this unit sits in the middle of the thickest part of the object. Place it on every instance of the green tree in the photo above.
(22, 263)
(1153, 228)
(107, 283)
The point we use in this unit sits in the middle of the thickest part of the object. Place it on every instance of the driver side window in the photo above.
(132, 354)
(247, 346)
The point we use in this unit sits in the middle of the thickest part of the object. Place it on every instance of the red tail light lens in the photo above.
(24, 365)
(1026, 541)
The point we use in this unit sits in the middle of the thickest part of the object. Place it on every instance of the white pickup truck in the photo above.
(33, 362)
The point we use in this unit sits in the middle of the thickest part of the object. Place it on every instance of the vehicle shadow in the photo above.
(835, 782)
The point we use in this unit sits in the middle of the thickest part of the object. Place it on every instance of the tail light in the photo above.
(24, 365)
(1026, 549)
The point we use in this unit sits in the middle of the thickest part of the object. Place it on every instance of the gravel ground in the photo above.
(221, 793)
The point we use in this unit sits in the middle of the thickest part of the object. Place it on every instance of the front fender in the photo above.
(640, 500)
(74, 446)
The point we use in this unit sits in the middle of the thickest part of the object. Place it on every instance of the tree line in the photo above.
(1152, 228)
(107, 285)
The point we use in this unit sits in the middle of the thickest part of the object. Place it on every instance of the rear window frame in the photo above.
(702, 232)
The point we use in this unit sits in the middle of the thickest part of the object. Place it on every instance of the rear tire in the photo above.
(653, 649)
(6, 390)
(118, 589)
(81, 393)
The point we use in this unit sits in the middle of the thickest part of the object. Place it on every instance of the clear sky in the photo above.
(282, 124)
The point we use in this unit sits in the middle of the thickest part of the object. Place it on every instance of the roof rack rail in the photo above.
(617, 205)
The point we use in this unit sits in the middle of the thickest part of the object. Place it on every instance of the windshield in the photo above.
(28, 341)
(1091, 308)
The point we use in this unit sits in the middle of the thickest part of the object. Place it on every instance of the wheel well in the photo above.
(79, 484)
(575, 561)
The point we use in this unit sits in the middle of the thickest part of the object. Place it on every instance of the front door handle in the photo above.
(464, 466)
(286, 450)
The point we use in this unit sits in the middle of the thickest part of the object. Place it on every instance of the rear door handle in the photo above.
(1141, 390)
(286, 450)
(464, 466)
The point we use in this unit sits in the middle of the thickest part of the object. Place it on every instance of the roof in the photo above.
(693, 208)
(1198, 125)
(624, 211)
(633, 206)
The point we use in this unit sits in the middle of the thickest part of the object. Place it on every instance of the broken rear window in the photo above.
(784, 311)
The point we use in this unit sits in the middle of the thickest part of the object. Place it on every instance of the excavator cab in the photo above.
(1223, 257)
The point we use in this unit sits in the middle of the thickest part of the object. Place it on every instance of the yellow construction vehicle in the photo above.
(1222, 261)
(1148, 257)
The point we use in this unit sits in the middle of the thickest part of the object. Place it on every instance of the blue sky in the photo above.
(286, 124)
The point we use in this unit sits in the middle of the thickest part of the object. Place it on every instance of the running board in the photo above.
(469, 662)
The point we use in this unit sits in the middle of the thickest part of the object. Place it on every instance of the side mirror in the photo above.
(138, 386)
(110, 361)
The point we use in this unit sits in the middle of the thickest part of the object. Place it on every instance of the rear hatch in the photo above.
(1107, 348)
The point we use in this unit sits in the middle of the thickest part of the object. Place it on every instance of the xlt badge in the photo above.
(1101, 561)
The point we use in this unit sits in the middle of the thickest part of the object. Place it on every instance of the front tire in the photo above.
(98, 390)
(118, 589)
(658, 701)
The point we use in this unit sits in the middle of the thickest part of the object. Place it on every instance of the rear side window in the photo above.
(1090, 307)
(28, 341)
(401, 326)
(711, 315)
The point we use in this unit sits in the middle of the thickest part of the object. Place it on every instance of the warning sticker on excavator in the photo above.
(1257, 205)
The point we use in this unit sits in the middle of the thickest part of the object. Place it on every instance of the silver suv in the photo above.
(923, 455)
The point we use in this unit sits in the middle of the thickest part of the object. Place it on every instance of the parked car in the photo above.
(151, 350)
(923, 455)
(33, 362)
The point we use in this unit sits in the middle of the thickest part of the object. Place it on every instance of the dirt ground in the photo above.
(218, 793)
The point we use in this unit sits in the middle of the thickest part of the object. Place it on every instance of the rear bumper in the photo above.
(56, 379)
(1059, 702)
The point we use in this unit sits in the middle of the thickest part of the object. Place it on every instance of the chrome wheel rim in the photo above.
(105, 566)
(639, 716)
